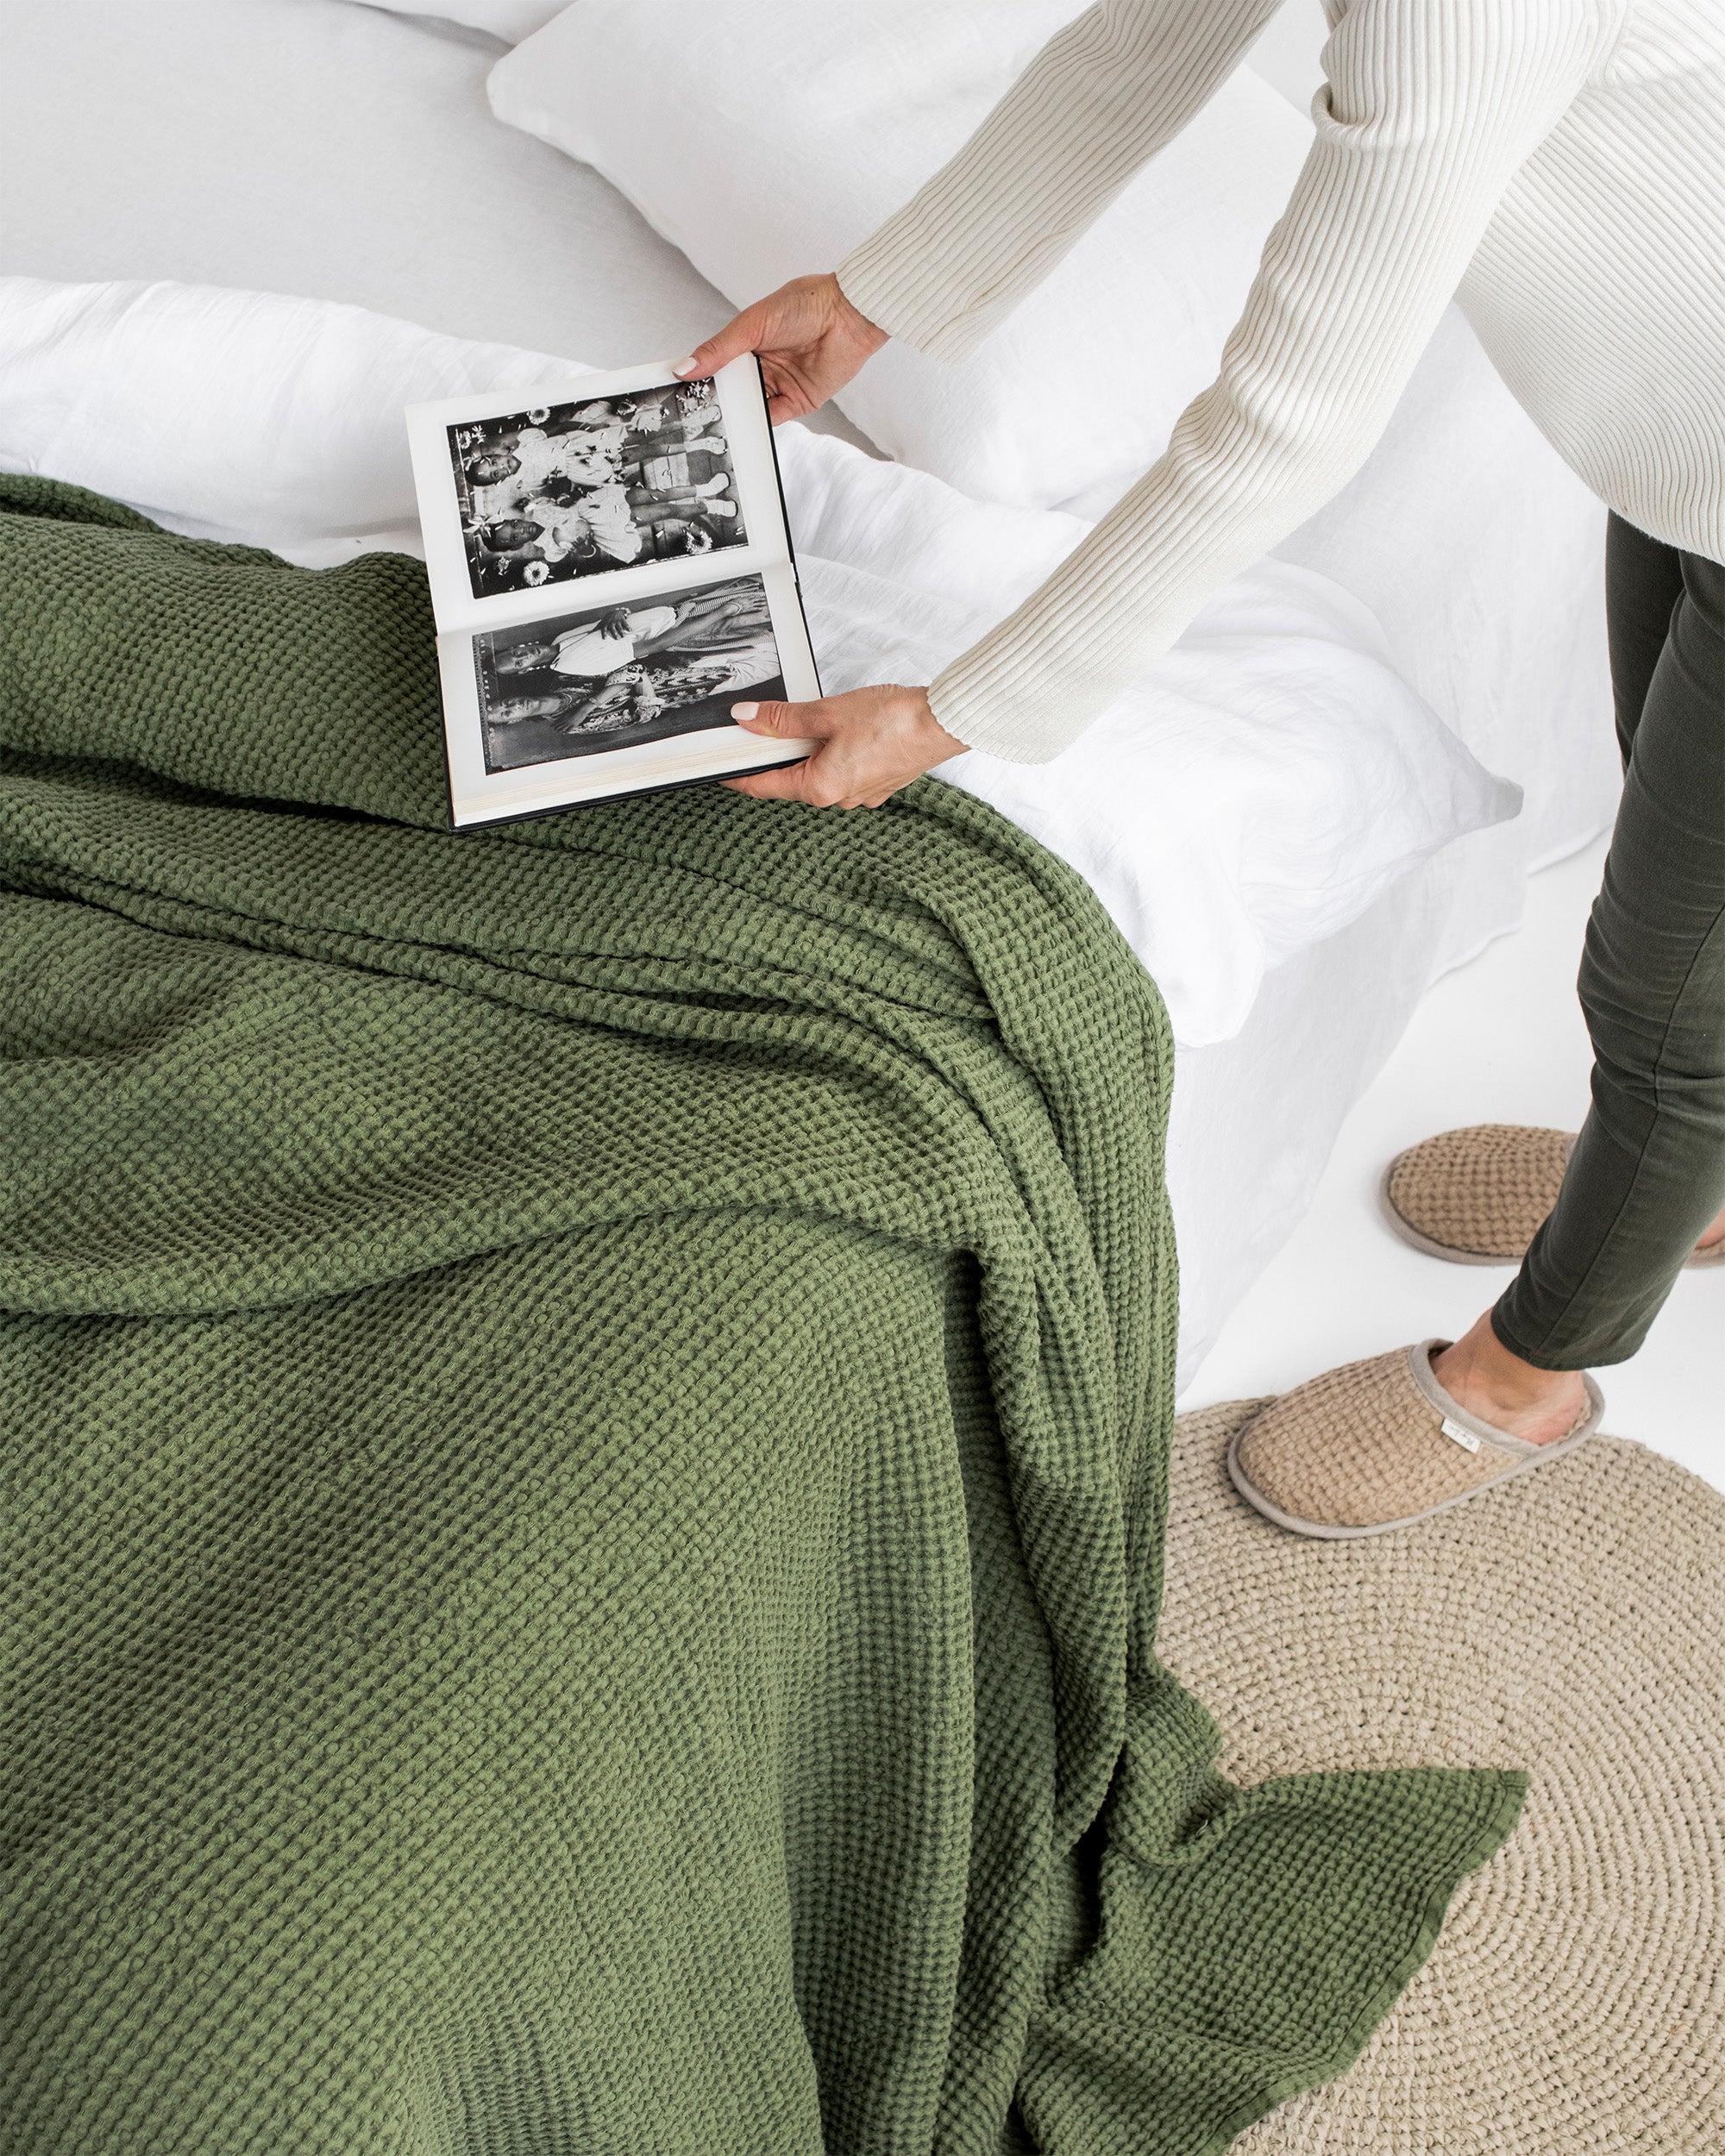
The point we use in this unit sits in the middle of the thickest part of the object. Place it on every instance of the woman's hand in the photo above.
(867, 744)
(810, 340)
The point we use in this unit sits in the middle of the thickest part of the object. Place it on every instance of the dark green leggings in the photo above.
(1648, 1172)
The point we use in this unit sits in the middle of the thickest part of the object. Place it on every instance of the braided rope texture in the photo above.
(585, 1415)
(1575, 2004)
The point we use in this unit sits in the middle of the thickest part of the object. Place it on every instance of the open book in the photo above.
(610, 571)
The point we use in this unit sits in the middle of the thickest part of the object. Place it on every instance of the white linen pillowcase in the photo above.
(798, 130)
(508, 21)
(232, 414)
(1252, 794)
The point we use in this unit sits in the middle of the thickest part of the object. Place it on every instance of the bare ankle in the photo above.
(1492, 1382)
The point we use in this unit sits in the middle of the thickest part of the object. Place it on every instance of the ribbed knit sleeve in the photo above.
(1431, 107)
(1099, 100)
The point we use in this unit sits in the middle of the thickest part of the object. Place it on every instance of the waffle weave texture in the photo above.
(586, 1416)
(1483, 1190)
(1360, 1446)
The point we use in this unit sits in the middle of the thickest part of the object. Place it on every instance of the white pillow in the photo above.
(1253, 792)
(509, 21)
(766, 137)
(233, 414)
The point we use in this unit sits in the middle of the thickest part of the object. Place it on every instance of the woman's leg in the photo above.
(1369, 1447)
(1647, 1175)
(1643, 584)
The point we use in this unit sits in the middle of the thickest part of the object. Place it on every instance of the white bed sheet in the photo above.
(314, 147)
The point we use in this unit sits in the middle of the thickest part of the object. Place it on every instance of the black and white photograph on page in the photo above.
(571, 490)
(616, 675)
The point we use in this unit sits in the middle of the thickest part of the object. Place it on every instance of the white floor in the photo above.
(1498, 1041)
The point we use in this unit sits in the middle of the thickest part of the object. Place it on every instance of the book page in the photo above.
(612, 485)
(592, 700)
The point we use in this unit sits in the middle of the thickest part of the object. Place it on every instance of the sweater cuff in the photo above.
(896, 279)
(965, 707)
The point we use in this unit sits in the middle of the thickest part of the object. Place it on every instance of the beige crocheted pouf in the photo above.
(1571, 1622)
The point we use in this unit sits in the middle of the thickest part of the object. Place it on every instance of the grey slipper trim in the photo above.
(1522, 1454)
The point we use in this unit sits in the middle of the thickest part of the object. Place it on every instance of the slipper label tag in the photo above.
(1465, 1438)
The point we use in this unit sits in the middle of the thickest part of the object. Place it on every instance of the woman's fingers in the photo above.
(809, 340)
(784, 318)
(783, 783)
(793, 722)
(786, 398)
(763, 329)
(868, 742)
(740, 335)
(818, 780)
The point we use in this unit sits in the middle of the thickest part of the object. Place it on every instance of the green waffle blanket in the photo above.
(586, 1412)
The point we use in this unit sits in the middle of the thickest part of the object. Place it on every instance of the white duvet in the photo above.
(1252, 794)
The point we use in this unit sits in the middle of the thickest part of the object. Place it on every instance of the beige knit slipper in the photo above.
(1477, 1196)
(1379, 1444)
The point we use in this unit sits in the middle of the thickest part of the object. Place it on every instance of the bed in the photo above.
(510, 1666)
(323, 148)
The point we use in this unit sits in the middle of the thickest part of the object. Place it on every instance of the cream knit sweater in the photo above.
(1558, 165)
